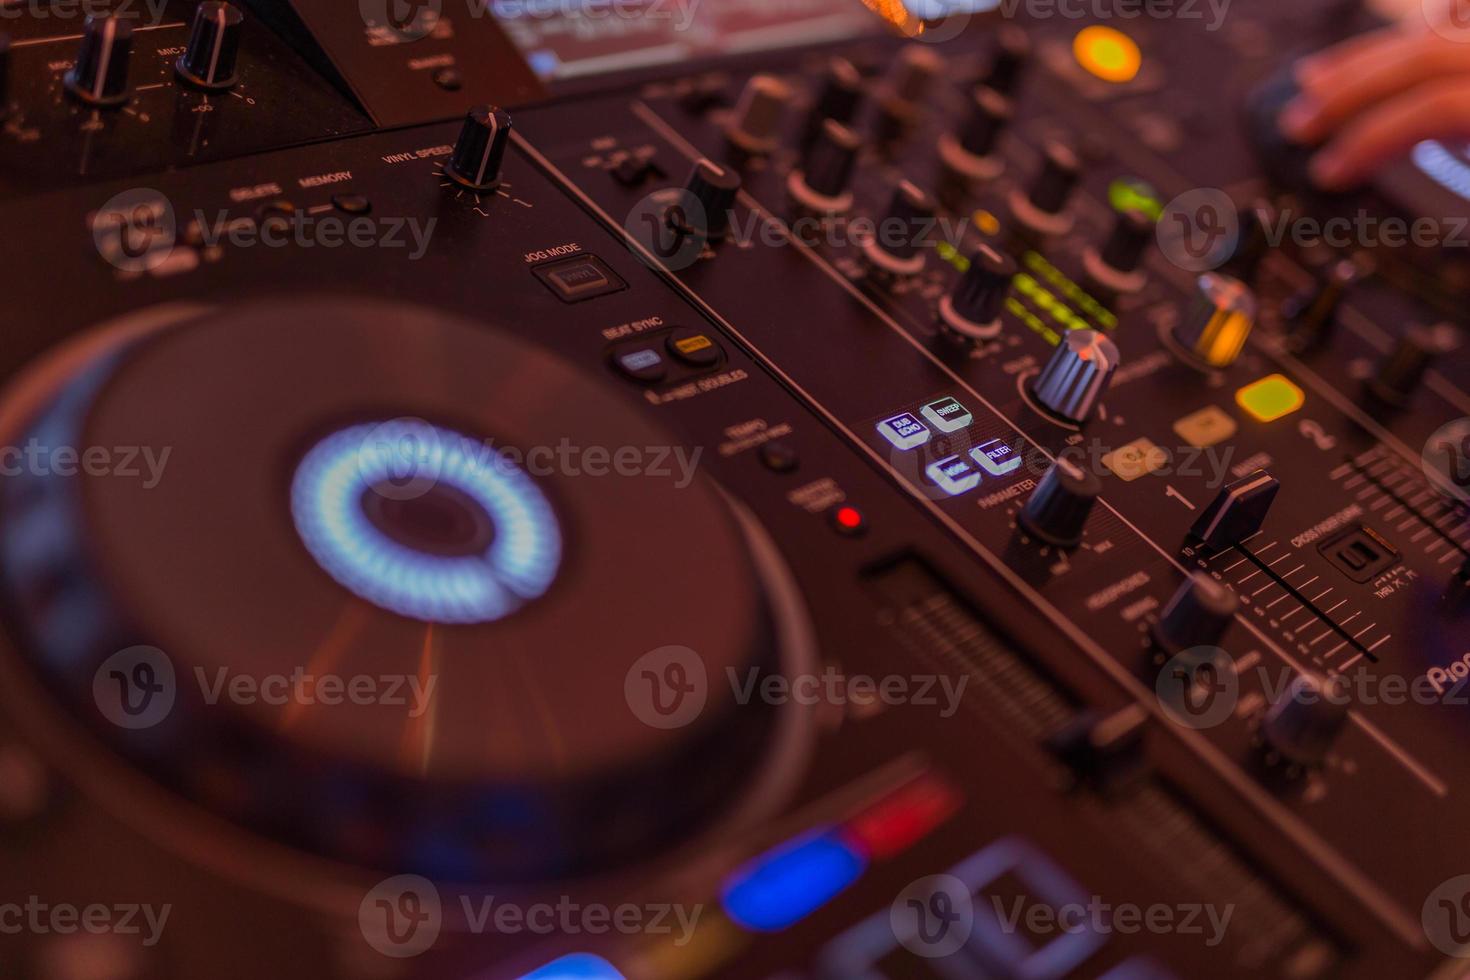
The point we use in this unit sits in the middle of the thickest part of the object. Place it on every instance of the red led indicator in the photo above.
(849, 519)
(897, 822)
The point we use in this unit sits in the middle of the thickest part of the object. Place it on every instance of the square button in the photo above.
(904, 431)
(1271, 398)
(1205, 428)
(1137, 459)
(997, 458)
(579, 278)
(954, 475)
(947, 414)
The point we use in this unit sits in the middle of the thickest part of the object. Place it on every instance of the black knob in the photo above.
(1238, 512)
(972, 310)
(1053, 184)
(1132, 232)
(1311, 315)
(100, 75)
(214, 43)
(4, 75)
(990, 113)
(710, 194)
(904, 230)
(839, 97)
(1403, 369)
(915, 72)
(828, 167)
(1012, 52)
(480, 149)
(1197, 616)
(1058, 508)
(1254, 241)
(1304, 722)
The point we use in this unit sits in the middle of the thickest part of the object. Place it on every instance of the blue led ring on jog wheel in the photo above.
(374, 503)
(341, 497)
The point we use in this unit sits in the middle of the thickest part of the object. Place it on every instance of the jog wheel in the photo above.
(394, 588)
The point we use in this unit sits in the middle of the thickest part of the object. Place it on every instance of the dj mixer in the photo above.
(652, 489)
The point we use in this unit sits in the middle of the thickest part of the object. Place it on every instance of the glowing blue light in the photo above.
(577, 966)
(1447, 168)
(786, 884)
(406, 458)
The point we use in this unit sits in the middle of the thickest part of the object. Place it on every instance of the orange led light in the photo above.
(1107, 53)
(1271, 398)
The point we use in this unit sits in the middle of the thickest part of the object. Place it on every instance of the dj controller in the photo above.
(742, 489)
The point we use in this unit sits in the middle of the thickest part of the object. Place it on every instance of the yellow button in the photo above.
(1205, 428)
(1139, 458)
(1107, 53)
(1271, 398)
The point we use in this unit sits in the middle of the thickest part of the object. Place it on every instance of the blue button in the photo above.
(786, 884)
(954, 475)
(904, 431)
(577, 966)
(947, 414)
(998, 458)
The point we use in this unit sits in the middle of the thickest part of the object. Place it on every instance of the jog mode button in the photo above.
(581, 277)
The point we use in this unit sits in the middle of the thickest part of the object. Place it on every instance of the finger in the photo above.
(1436, 110)
(1380, 71)
(1328, 60)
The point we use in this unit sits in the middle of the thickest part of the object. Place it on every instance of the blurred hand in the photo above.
(1370, 99)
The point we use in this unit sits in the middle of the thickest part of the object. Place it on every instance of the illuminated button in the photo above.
(900, 820)
(947, 415)
(1205, 428)
(694, 347)
(785, 885)
(904, 431)
(997, 458)
(577, 966)
(641, 363)
(954, 475)
(848, 520)
(1107, 53)
(1271, 398)
(1137, 459)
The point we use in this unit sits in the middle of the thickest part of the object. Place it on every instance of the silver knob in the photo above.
(1216, 328)
(1077, 376)
(755, 127)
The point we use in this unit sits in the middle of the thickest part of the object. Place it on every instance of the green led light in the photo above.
(1131, 194)
(952, 255)
(1079, 297)
(1019, 311)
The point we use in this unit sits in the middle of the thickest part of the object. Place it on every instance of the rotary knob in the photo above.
(968, 154)
(1400, 373)
(1043, 208)
(839, 97)
(755, 126)
(971, 312)
(1312, 314)
(1215, 331)
(1012, 54)
(820, 184)
(896, 246)
(100, 75)
(1116, 265)
(214, 44)
(710, 193)
(1057, 511)
(1078, 374)
(480, 150)
(1306, 720)
(1197, 616)
(907, 86)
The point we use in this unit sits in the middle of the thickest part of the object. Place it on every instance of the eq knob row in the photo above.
(99, 75)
